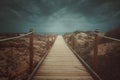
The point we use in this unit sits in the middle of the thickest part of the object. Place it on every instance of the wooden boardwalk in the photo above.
(61, 64)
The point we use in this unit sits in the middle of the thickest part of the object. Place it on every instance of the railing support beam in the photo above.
(31, 51)
(95, 59)
(73, 42)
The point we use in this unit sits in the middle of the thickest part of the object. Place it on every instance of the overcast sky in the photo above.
(58, 15)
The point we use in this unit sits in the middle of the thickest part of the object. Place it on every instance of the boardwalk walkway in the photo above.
(61, 64)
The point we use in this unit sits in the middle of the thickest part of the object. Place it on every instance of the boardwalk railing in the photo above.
(97, 37)
(92, 72)
(92, 58)
(49, 39)
(43, 58)
(96, 47)
(30, 46)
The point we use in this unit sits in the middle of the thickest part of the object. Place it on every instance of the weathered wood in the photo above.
(61, 64)
(52, 38)
(95, 60)
(48, 43)
(31, 51)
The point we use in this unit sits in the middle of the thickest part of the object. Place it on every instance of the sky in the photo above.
(58, 15)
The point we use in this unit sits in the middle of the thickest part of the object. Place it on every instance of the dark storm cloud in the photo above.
(59, 15)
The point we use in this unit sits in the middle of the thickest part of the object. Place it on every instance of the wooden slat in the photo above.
(61, 64)
(62, 77)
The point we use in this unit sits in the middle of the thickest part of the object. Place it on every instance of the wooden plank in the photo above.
(62, 74)
(95, 60)
(63, 68)
(63, 78)
(31, 56)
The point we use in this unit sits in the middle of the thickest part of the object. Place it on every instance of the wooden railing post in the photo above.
(48, 46)
(73, 42)
(65, 39)
(53, 38)
(95, 60)
(31, 56)
(46, 37)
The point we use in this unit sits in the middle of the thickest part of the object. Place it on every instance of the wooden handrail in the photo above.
(96, 76)
(73, 42)
(95, 59)
(30, 46)
(41, 60)
(31, 51)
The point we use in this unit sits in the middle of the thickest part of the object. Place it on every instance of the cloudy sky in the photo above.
(58, 15)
